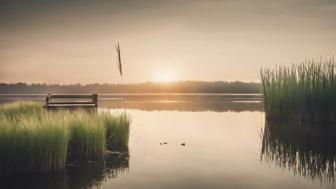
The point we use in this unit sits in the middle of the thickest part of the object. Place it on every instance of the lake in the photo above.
(228, 144)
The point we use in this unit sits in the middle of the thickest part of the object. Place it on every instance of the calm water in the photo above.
(227, 146)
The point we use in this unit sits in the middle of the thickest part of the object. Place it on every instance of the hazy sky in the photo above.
(69, 41)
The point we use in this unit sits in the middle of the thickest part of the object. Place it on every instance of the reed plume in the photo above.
(119, 60)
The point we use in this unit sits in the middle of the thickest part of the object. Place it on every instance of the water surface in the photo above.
(227, 145)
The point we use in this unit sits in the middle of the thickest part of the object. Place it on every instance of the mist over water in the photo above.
(228, 144)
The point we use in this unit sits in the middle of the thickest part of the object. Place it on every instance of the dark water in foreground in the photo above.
(228, 145)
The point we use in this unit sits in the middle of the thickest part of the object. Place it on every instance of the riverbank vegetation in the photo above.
(33, 139)
(304, 92)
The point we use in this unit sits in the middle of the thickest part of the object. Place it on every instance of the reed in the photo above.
(34, 140)
(19, 109)
(87, 136)
(29, 144)
(117, 130)
(304, 91)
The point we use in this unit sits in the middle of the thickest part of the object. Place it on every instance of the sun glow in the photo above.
(164, 76)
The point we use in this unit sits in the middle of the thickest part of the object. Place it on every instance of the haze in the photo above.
(74, 41)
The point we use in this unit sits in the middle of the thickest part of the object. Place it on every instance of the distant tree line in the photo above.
(148, 87)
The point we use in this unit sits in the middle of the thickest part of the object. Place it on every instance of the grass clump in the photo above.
(19, 109)
(87, 136)
(117, 130)
(33, 139)
(304, 92)
(29, 144)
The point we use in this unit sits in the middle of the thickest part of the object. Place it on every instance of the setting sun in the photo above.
(164, 75)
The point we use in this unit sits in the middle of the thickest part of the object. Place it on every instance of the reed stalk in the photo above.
(304, 92)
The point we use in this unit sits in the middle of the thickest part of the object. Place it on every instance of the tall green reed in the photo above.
(304, 92)
(33, 139)
(87, 136)
(29, 144)
(117, 130)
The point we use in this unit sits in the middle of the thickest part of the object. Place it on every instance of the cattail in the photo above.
(121, 72)
(119, 59)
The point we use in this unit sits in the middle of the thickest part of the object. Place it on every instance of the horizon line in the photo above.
(132, 83)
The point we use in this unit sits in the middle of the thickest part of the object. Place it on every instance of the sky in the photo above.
(73, 41)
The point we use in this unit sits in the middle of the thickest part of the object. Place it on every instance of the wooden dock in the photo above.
(71, 101)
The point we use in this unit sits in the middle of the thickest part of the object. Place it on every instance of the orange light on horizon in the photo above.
(164, 76)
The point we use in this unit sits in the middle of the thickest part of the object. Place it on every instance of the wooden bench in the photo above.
(70, 100)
